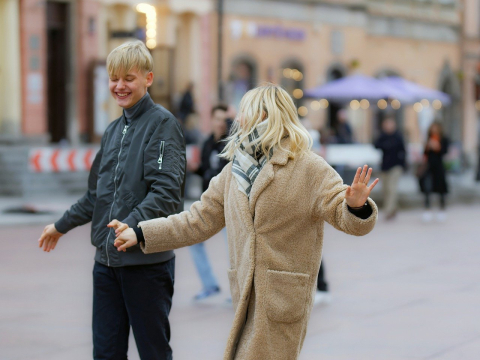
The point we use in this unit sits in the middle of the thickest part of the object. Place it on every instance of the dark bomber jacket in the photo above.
(138, 174)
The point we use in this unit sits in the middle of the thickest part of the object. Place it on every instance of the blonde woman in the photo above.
(273, 197)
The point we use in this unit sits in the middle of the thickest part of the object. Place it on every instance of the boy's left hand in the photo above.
(118, 226)
(358, 193)
(125, 240)
(125, 236)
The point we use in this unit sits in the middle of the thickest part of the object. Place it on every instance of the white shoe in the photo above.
(427, 217)
(322, 297)
(441, 216)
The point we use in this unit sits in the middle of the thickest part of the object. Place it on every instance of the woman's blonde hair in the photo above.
(128, 56)
(270, 102)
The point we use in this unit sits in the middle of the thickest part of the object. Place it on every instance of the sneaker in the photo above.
(427, 217)
(441, 216)
(322, 297)
(207, 293)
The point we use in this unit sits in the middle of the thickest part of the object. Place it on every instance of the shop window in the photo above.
(292, 80)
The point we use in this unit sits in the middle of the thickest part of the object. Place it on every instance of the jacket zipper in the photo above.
(115, 192)
(160, 158)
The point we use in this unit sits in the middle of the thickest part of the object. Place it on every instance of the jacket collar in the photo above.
(140, 108)
(280, 156)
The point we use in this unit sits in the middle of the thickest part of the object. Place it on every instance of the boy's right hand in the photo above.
(49, 238)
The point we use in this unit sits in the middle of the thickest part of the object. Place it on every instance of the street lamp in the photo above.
(220, 49)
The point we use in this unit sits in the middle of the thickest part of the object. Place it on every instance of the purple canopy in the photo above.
(418, 92)
(357, 87)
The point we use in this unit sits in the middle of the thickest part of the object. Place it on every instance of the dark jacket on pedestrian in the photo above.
(393, 149)
(138, 174)
(211, 164)
(435, 177)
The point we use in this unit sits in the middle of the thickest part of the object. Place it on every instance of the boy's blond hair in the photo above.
(128, 56)
(270, 102)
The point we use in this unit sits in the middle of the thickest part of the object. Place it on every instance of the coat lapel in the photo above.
(266, 175)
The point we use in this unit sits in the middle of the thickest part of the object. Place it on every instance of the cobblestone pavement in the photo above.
(406, 291)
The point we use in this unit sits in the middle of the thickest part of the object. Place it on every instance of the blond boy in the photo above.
(137, 175)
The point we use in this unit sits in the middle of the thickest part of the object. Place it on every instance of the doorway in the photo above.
(57, 69)
(334, 73)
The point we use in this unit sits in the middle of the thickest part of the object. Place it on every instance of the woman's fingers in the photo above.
(357, 175)
(367, 178)
(373, 184)
(122, 247)
(121, 228)
(349, 191)
(363, 174)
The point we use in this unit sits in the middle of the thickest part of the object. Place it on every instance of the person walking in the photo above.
(274, 197)
(391, 143)
(137, 175)
(187, 104)
(434, 177)
(211, 165)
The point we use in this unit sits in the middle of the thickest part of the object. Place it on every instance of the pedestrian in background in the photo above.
(343, 130)
(187, 104)
(391, 143)
(274, 197)
(434, 177)
(138, 174)
(210, 166)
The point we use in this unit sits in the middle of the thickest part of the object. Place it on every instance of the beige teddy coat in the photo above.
(275, 244)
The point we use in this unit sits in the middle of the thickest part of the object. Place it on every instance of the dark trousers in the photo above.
(321, 282)
(138, 296)
(428, 185)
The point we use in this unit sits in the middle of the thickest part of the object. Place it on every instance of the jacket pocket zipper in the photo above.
(160, 158)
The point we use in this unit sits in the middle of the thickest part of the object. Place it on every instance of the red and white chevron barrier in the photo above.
(80, 159)
(61, 160)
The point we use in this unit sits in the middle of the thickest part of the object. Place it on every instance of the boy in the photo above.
(137, 175)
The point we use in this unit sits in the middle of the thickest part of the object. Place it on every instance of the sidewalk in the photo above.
(406, 291)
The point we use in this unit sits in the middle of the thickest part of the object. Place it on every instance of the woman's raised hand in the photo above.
(358, 193)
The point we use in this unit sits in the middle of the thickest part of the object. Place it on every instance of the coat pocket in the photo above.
(286, 296)
(234, 287)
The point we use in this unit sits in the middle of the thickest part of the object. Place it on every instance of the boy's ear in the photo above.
(149, 79)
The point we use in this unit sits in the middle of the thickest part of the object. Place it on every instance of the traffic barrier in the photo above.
(48, 160)
(54, 160)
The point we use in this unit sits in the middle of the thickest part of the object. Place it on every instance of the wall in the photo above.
(10, 100)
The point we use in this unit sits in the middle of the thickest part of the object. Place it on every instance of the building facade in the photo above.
(55, 66)
(325, 40)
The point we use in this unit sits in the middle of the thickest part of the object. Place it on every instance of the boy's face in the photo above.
(127, 89)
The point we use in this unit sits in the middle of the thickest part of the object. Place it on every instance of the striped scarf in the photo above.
(248, 160)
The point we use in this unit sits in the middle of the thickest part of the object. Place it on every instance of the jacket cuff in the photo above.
(139, 233)
(130, 221)
(63, 225)
(363, 213)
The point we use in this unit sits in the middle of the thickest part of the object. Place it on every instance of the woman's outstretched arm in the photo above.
(338, 204)
(204, 219)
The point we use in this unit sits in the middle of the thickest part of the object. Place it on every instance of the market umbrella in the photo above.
(357, 87)
(416, 91)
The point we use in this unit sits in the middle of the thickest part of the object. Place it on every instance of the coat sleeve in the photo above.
(330, 204)
(81, 213)
(165, 180)
(205, 218)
